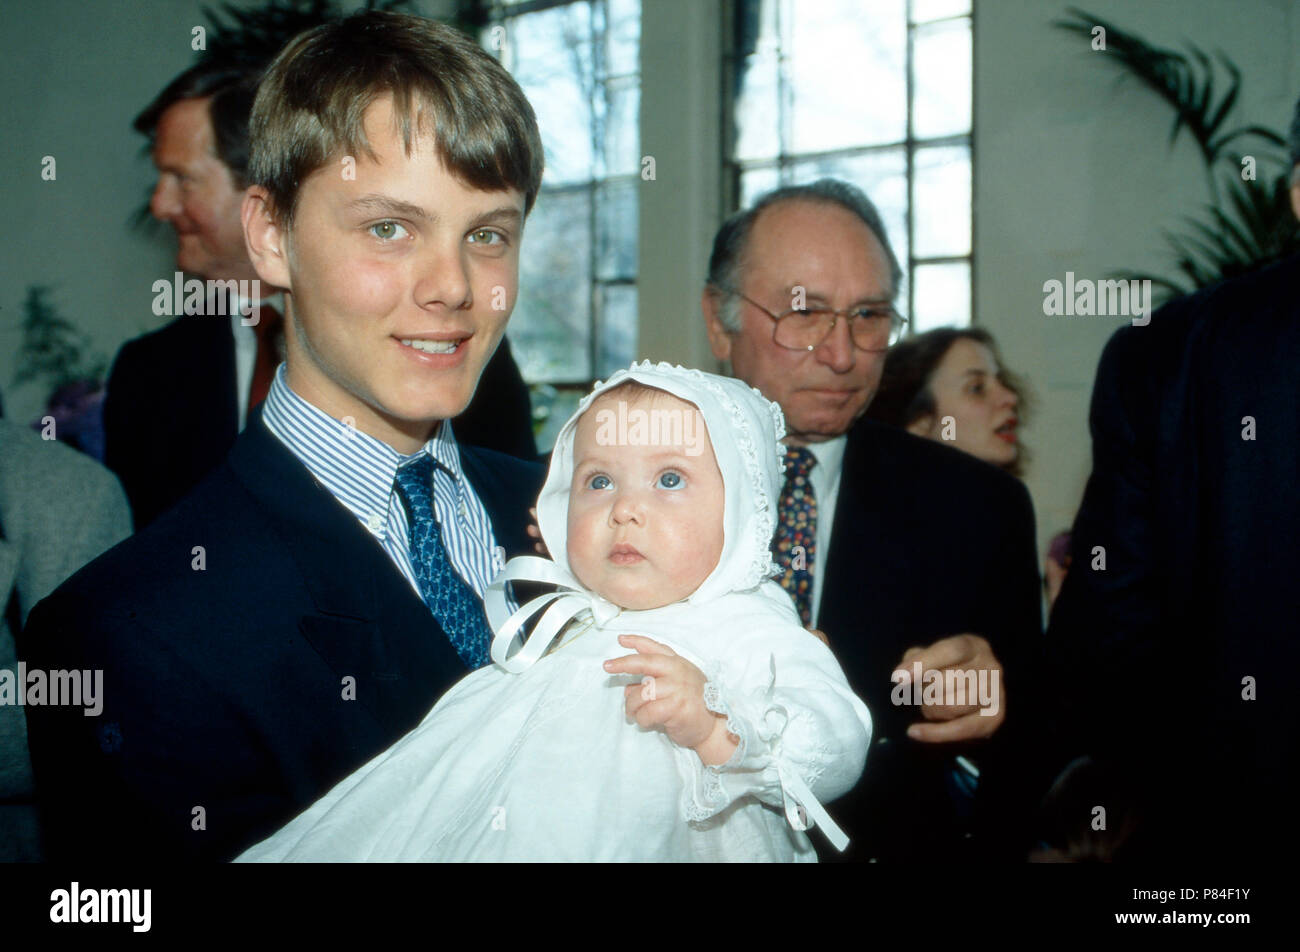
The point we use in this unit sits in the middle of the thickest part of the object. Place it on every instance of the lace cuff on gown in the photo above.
(779, 759)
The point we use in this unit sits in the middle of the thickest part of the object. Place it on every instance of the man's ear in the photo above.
(1295, 191)
(921, 425)
(719, 338)
(265, 239)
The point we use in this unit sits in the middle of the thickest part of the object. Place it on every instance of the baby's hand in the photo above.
(671, 696)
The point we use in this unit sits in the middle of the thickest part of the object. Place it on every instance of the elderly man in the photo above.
(908, 554)
(178, 397)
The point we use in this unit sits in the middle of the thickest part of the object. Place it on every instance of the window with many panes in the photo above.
(877, 94)
(578, 61)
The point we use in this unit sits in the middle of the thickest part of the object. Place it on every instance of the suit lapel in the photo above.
(865, 566)
(208, 388)
(224, 407)
(368, 622)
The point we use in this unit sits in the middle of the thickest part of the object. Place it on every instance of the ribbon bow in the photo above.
(798, 801)
(569, 601)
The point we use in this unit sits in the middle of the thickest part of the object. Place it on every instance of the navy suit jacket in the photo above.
(233, 635)
(171, 414)
(1193, 505)
(929, 542)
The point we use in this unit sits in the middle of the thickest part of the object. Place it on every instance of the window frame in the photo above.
(733, 169)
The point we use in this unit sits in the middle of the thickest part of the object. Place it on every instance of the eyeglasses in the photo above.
(872, 328)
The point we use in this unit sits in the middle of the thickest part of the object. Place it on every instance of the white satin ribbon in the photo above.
(799, 802)
(569, 601)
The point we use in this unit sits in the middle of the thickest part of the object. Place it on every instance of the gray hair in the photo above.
(732, 239)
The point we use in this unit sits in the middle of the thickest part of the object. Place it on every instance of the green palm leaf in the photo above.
(1250, 223)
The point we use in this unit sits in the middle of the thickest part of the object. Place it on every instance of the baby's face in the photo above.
(646, 504)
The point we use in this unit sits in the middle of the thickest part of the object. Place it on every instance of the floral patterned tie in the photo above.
(795, 542)
(453, 603)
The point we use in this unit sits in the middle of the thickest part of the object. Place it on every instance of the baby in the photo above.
(716, 740)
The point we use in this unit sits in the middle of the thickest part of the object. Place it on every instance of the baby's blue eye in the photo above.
(671, 480)
(599, 482)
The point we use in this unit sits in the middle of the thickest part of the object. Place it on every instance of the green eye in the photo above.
(387, 230)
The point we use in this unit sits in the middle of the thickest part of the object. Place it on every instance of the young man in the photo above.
(178, 396)
(312, 599)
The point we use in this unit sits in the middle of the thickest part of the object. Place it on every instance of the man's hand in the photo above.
(535, 533)
(671, 697)
(957, 722)
(819, 635)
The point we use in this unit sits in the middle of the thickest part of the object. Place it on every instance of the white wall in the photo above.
(1073, 172)
(681, 76)
(73, 77)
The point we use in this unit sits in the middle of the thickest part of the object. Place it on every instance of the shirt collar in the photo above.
(356, 468)
(828, 453)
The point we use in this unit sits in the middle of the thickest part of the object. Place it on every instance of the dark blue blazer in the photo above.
(930, 542)
(229, 634)
(170, 412)
(1193, 502)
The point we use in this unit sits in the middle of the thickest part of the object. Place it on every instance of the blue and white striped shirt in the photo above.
(359, 471)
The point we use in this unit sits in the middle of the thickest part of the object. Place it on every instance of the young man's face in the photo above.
(401, 279)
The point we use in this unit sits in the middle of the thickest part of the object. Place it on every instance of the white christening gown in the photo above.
(534, 758)
(544, 765)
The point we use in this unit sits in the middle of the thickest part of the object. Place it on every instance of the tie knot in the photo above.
(415, 482)
(798, 461)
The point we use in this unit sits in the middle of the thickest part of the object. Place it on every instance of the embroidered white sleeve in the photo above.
(792, 743)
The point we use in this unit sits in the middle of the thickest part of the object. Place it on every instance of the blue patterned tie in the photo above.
(453, 603)
(797, 527)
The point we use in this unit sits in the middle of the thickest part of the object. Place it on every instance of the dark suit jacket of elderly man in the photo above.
(58, 510)
(1178, 660)
(227, 706)
(930, 542)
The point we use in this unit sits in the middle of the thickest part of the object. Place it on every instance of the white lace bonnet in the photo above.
(745, 430)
